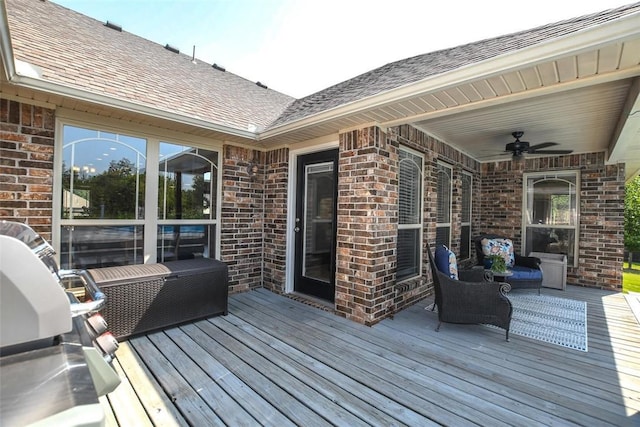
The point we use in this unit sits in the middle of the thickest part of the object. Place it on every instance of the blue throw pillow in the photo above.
(446, 262)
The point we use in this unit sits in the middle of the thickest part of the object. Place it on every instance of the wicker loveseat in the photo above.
(468, 299)
(526, 270)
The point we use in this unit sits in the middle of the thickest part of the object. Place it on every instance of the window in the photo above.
(109, 196)
(465, 233)
(410, 214)
(443, 222)
(102, 196)
(551, 214)
(186, 210)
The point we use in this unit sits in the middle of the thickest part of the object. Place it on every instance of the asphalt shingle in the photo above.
(414, 69)
(78, 51)
(81, 52)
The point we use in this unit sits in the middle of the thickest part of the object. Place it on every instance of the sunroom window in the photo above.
(551, 214)
(109, 195)
(102, 217)
(410, 214)
(186, 209)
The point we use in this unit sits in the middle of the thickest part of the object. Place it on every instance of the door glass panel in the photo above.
(318, 221)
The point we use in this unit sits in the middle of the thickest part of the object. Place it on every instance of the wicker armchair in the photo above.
(470, 299)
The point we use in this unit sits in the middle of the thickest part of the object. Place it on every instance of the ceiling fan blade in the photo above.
(542, 145)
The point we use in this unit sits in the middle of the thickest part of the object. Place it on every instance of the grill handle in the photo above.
(97, 296)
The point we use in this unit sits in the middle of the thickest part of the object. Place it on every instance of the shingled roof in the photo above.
(82, 53)
(411, 70)
(79, 52)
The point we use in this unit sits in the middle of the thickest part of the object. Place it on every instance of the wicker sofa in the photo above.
(526, 270)
(469, 298)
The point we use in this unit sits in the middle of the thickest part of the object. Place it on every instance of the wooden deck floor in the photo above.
(275, 361)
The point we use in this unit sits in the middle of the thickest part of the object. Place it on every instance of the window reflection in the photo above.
(187, 192)
(187, 182)
(100, 246)
(552, 214)
(102, 175)
(184, 241)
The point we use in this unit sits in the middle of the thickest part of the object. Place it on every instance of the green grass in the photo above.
(631, 280)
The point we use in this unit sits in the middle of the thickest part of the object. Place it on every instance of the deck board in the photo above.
(276, 361)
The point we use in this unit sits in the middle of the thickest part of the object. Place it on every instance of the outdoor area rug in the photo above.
(554, 320)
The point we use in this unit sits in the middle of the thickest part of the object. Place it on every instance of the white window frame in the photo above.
(560, 175)
(150, 221)
(450, 172)
(462, 222)
(419, 225)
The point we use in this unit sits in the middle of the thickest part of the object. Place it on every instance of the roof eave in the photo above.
(607, 33)
(6, 49)
(38, 84)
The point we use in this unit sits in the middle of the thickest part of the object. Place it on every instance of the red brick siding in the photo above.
(367, 226)
(241, 240)
(601, 241)
(275, 219)
(601, 238)
(501, 201)
(26, 164)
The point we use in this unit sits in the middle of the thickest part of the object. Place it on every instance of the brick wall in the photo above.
(367, 225)
(275, 219)
(241, 240)
(601, 247)
(411, 291)
(601, 235)
(26, 165)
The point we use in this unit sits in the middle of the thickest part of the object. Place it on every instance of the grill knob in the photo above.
(107, 343)
(97, 325)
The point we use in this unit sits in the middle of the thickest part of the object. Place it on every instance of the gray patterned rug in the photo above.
(554, 320)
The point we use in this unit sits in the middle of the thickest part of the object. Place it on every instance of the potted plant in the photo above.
(497, 264)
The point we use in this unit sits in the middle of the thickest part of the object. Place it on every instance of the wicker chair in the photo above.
(470, 299)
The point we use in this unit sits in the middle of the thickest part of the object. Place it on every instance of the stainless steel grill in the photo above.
(55, 350)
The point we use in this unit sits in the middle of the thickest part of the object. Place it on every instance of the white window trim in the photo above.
(447, 224)
(151, 221)
(420, 224)
(463, 223)
(525, 220)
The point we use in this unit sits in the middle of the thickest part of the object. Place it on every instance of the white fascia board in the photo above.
(32, 82)
(591, 38)
(627, 133)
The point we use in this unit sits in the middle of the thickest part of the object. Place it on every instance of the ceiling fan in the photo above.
(519, 148)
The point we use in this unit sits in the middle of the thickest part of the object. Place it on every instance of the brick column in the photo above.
(26, 165)
(367, 225)
(275, 219)
(242, 217)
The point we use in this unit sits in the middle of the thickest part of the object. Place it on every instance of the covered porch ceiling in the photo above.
(580, 91)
